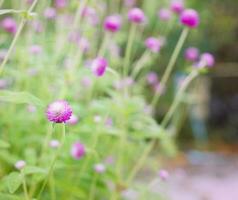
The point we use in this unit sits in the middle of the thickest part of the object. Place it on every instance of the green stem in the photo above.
(171, 64)
(103, 47)
(93, 188)
(24, 186)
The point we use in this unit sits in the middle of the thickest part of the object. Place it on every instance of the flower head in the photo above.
(164, 14)
(152, 78)
(72, 120)
(163, 174)
(60, 3)
(112, 23)
(9, 25)
(190, 18)
(136, 15)
(59, 111)
(20, 164)
(99, 66)
(177, 6)
(191, 54)
(99, 168)
(153, 44)
(50, 13)
(77, 150)
(35, 49)
(208, 59)
(129, 3)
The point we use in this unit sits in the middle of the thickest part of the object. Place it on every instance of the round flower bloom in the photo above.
(99, 66)
(77, 150)
(72, 120)
(163, 174)
(191, 54)
(100, 168)
(50, 13)
(152, 78)
(84, 44)
(190, 18)
(164, 14)
(153, 44)
(20, 164)
(59, 111)
(112, 23)
(207, 59)
(129, 3)
(60, 3)
(54, 144)
(136, 15)
(97, 118)
(86, 82)
(9, 24)
(35, 49)
(177, 6)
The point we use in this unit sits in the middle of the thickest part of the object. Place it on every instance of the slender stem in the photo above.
(24, 186)
(179, 96)
(93, 188)
(1, 2)
(19, 30)
(171, 64)
(103, 47)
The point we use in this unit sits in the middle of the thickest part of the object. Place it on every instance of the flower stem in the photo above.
(171, 64)
(24, 186)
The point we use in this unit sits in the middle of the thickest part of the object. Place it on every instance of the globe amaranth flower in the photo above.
(54, 143)
(190, 18)
(60, 3)
(9, 25)
(99, 168)
(35, 49)
(20, 164)
(112, 23)
(208, 59)
(50, 13)
(73, 120)
(177, 6)
(163, 174)
(129, 3)
(153, 44)
(136, 15)
(164, 14)
(191, 54)
(59, 111)
(78, 150)
(152, 78)
(99, 66)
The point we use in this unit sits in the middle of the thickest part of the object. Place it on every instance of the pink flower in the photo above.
(191, 54)
(177, 6)
(73, 120)
(54, 144)
(86, 82)
(10, 25)
(50, 13)
(136, 15)
(190, 18)
(99, 168)
(31, 108)
(153, 44)
(152, 78)
(59, 111)
(60, 3)
(20, 164)
(129, 3)
(163, 174)
(112, 23)
(77, 150)
(164, 14)
(207, 59)
(35, 49)
(99, 66)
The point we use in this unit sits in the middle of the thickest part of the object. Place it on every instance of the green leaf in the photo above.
(4, 144)
(19, 98)
(34, 170)
(14, 181)
(9, 197)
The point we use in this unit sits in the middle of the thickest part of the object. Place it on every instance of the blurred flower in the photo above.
(208, 59)
(191, 54)
(99, 168)
(32, 71)
(177, 6)
(129, 3)
(37, 26)
(153, 44)
(35, 49)
(99, 66)
(60, 3)
(31, 108)
(77, 150)
(97, 118)
(90, 14)
(163, 174)
(59, 111)
(136, 15)
(109, 122)
(54, 143)
(152, 78)
(9, 25)
(3, 84)
(125, 82)
(112, 23)
(29, 1)
(84, 44)
(164, 14)
(109, 160)
(50, 13)
(190, 18)
(86, 82)
(20, 164)
(73, 120)
(130, 194)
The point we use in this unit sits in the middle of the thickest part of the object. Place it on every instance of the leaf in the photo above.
(4, 144)
(34, 170)
(19, 98)
(14, 181)
(9, 197)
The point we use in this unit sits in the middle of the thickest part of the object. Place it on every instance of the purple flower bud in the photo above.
(207, 59)
(163, 174)
(50, 13)
(10, 25)
(153, 44)
(164, 14)
(177, 6)
(99, 66)
(20, 164)
(191, 54)
(54, 144)
(73, 120)
(190, 18)
(35, 49)
(136, 15)
(77, 150)
(59, 111)
(60, 3)
(112, 23)
(152, 78)
(99, 168)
